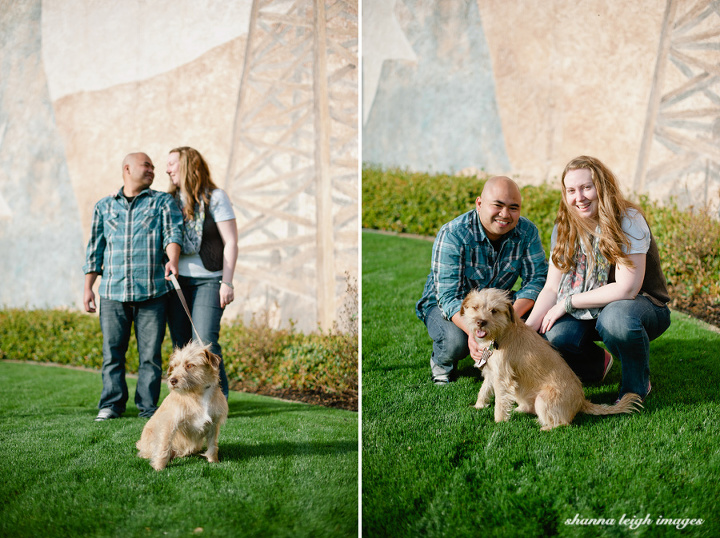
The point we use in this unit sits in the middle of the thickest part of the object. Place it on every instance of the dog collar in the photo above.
(486, 355)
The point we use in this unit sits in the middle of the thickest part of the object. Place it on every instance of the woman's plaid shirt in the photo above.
(463, 259)
(127, 244)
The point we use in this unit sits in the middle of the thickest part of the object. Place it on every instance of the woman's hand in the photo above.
(554, 314)
(227, 295)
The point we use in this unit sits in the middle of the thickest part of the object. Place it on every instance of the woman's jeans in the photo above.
(626, 328)
(116, 319)
(203, 299)
(450, 344)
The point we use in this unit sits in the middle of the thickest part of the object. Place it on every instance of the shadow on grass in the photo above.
(239, 451)
(682, 372)
(264, 408)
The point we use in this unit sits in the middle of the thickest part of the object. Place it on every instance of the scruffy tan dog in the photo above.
(191, 414)
(523, 367)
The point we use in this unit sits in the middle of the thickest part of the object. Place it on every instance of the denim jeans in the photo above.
(450, 344)
(626, 328)
(116, 320)
(203, 299)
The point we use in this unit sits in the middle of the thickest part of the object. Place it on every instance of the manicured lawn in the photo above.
(434, 466)
(287, 469)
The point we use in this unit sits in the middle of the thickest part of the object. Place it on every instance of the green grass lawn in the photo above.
(286, 469)
(434, 466)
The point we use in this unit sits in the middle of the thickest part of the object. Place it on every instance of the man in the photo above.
(131, 233)
(488, 247)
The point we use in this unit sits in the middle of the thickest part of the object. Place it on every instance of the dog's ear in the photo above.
(212, 359)
(466, 301)
(512, 316)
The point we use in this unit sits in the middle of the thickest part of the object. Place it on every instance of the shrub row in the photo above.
(256, 356)
(418, 203)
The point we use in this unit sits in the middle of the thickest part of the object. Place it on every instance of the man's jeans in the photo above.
(116, 319)
(203, 298)
(450, 344)
(626, 328)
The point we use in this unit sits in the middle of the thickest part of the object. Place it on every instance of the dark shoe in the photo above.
(105, 414)
(608, 365)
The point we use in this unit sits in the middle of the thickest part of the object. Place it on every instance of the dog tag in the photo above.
(485, 356)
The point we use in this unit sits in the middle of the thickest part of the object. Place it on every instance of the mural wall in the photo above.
(84, 83)
(520, 88)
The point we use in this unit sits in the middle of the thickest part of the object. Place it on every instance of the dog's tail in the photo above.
(630, 403)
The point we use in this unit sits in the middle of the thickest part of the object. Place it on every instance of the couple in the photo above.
(604, 282)
(139, 237)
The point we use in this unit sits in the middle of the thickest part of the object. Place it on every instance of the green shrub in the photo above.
(255, 355)
(417, 203)
(689, 245)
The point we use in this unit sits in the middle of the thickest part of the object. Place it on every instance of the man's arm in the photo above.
(93, 259)
(172, 223)
(89, 294)
(448, 268)
(522, 306)
(173, 254)
(533, 270)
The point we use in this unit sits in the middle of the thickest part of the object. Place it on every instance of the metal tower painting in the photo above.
(680, 151)
(293, 168)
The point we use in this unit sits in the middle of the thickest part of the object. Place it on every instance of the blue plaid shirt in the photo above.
(127, 244)
(463, 259)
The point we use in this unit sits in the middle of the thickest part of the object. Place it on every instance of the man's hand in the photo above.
(475, 350)
(88, 293)
(171, 268)
(89, 301)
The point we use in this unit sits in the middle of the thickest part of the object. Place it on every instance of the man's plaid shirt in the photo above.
(463, 259)
(127, 244)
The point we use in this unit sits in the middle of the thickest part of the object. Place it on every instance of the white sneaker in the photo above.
(105, 414)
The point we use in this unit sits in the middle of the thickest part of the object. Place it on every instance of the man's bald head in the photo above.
(138, 173)
(501, 184)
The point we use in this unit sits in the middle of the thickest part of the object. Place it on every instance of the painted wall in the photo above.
(84, 83)
(522, 87)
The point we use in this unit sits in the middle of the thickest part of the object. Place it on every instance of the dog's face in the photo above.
(193, 366)
(487, 313)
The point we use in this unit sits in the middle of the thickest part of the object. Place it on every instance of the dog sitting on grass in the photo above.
(191, 415)
(523, 367)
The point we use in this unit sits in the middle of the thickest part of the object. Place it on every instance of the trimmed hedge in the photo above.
(418, 203)
(256, 356)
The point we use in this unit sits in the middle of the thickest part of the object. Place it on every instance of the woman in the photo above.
(209, 252)
(604, 282)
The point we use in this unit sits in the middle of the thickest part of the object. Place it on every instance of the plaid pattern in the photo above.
(464, 259)
(127, 244)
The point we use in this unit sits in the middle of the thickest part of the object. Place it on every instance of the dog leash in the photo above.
(176, 285)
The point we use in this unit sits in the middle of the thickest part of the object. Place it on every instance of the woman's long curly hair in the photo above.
(195, 181)
(572, 229)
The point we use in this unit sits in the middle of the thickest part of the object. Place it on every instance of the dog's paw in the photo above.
(158, 465)
(212, 458)
(480, 405)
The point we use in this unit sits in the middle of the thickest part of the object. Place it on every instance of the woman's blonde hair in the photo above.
(195, 180)
(572, 229)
